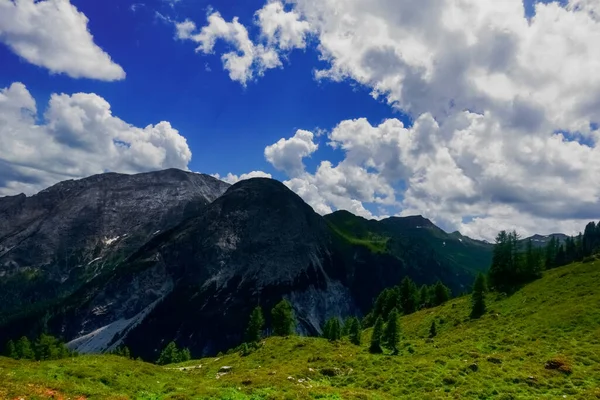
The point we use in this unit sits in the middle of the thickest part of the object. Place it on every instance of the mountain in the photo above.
(539, 343)
(203, 259)
(543, 240)
(57, 240)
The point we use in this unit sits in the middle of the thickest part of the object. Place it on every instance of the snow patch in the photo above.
(460, 240)
(108, 242)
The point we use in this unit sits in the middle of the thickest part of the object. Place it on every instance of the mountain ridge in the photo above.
(222, 250)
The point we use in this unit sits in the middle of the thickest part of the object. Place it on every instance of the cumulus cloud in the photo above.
(248, 59)
(231, 178)
(506, 111)
(287, 154)
(283, 29)
(53, 34)
(78, 137)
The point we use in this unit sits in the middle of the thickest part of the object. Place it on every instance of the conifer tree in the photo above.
(376, 337)
(441, 294)
(423, 297)
(408, 296)
(24, 350)
(478, 297)
(346, 327)
(255, 325)
(11, 350)
(169, 355)
(432, 330)
(332, 329)
(48, 347)
(185, 355)
(283, 319)
(392, 332)
(355, 331)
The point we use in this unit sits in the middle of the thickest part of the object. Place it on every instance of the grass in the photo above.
(554, 321)
(374, 243)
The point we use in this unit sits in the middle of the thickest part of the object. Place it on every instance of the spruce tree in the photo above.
(408, 296)
(283, 319)
(255, 325)
(24, 350)
(346, 327)
(185, 355)
(376, 337)
(327, 329)
(432, 330)
(423, 297)
(11, 350)
(355, 331)
(169, 355)
(332, 329)
(441, 294)
(478, 297)
(392, 332)
(336, 329)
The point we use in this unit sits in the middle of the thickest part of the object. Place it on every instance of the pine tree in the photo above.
(11, 350)
(346, 327)
(283, 319)
(49, 348)
(423, 297)
(169, 355)
(185, 355)
(478, 297)
(255, 325)
(441, 294)
(392, 332)
(432, 330)
(24, 350)
(355, 331)
(376, 336)
(332, 329)
(327, 329)
(336, 329)
(408, 296)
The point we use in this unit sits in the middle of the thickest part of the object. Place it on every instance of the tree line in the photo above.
(45, 347)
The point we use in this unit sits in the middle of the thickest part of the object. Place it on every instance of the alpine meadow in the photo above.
(299, 199)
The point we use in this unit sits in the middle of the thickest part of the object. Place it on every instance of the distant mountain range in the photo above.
(171, 255)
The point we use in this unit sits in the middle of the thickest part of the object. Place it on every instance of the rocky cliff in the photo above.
(201, 261)
(55, 241)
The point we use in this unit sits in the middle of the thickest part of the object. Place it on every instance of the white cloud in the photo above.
(53, 34)
(79, 137)
(287, 154)
(280, 30)
(245, 60)
(231, 178)
(283, 29)
(488, 90)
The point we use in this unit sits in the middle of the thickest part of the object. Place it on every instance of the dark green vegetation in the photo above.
(45, 347)
(201, 255)
(541, 342)
(172, 354)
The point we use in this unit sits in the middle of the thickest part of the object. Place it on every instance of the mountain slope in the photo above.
(57, 240)
(512, 352)
(416, 242)
(179, 262)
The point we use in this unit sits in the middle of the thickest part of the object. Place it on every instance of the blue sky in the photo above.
(227, 126)
(494, 91)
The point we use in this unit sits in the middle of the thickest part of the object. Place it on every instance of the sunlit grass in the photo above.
(501, 356)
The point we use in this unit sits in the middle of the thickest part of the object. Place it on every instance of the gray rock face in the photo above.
(257, 243)
(150, 258)
(55, 241)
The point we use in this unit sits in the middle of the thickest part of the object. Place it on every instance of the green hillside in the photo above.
(543, 342)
